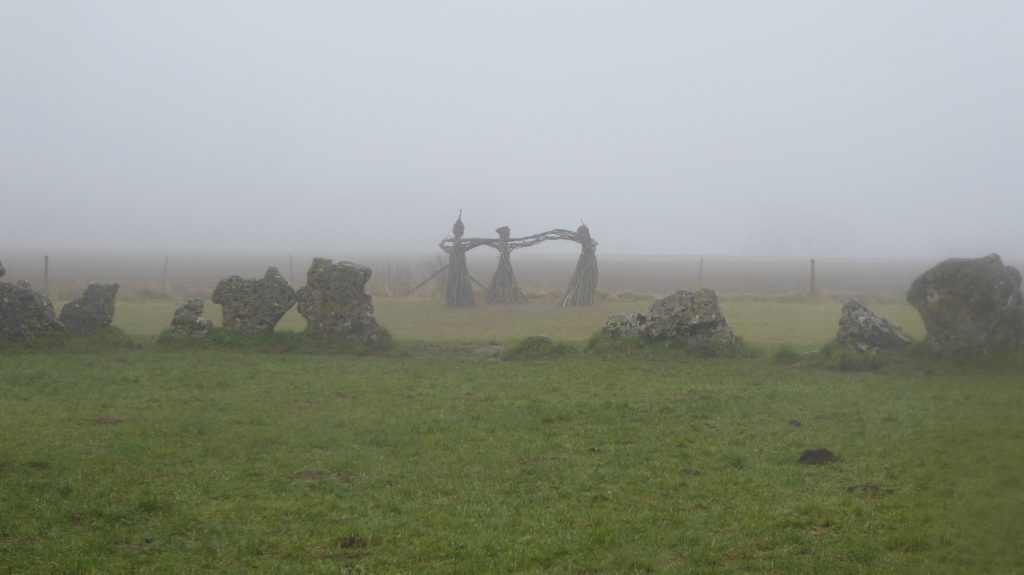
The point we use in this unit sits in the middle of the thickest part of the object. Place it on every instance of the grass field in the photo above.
(432, 458)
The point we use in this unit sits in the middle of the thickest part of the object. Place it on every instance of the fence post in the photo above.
(163, 280)
(700, 275)
(46, 275)
(814, 283)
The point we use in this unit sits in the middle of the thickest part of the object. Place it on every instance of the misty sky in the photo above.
(857, 128)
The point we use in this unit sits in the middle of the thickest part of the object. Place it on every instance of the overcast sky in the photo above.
(857, 128)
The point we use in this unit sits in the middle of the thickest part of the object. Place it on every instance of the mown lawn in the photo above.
(433, 459)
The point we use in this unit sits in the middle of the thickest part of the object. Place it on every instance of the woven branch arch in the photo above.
(504, 288)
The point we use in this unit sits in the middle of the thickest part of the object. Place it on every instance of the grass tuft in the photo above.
(108, 338)
(538, 347)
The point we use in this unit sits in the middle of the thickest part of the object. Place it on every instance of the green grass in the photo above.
(430, 458)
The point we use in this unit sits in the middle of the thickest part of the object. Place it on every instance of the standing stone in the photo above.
(189, 321)
(2, 270)
(95, 309)
(863, 331)
(970, 305)
(690, 317)
(26, 314)
(254, 306)
(335, 303)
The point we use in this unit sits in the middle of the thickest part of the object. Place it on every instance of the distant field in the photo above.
(198, 273)
(758, 321)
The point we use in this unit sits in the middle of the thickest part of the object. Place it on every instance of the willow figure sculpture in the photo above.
(583, 285)
(504, 288)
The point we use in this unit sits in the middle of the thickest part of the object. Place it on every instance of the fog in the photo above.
(832, 129)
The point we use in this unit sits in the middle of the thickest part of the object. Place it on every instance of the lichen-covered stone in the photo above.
(254, 306)
(26, 314)
(335, 303)
(970, 305)
(863, 331)
(690, 317)
(189, 321)
(95, 309)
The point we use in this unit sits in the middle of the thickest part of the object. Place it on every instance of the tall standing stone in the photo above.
(95, 309)
(335, 303)
(254, 306)
(970, 305)
(26, 314)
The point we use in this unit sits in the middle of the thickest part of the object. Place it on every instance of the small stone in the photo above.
(335, 303)
(189, 321)
(820, 456)
(691, 317)
(970, 305)
(94, 310)
(254, 306)
(864, 332)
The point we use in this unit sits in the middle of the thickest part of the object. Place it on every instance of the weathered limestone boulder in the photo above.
(970, 305)
(335, 303)
(189, 321)
(25, 313)
(254, 306)
(690, 317)
(863, 331)
(95, 309)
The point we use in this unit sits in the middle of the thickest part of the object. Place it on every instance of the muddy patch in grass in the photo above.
(868, 489)
(820, 456)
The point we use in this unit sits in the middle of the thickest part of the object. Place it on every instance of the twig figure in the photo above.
(504, 288)
(459, 288)
(583, 284)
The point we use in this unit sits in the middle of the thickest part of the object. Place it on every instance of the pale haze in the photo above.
(849, 129)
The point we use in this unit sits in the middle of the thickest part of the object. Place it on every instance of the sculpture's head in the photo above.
(458, 228)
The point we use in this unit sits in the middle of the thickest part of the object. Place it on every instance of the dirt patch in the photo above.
(144, 547)
(304, 405)
(820, 456)
(868, 489)
(796, 423)
(88, 448)
(690, 472)
(106, 420)
(312, 475)
(37, 465)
